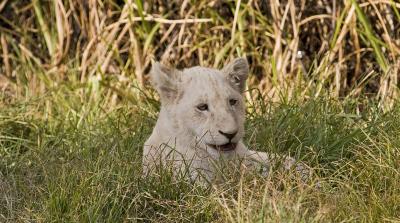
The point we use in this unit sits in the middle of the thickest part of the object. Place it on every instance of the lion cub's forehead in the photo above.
(200, 83)
(203, 77)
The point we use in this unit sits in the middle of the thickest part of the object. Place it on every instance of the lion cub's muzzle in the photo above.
(230, 146)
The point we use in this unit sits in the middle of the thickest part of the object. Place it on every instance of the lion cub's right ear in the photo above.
(165, 80)
(237, 72)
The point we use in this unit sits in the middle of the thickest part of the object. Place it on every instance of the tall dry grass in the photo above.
(305, 48)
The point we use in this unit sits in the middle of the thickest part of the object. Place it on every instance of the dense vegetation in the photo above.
(75, 108)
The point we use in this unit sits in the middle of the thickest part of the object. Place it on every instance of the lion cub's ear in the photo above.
(165, 81)
(237, 72)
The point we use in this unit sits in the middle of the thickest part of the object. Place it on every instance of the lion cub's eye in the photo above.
(233, 101)
(202, 107)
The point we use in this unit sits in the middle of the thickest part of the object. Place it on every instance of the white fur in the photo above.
(183, 132)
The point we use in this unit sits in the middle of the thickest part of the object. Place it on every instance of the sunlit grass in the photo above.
(60, 164)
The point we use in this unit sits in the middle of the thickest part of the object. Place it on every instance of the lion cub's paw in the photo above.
(302, 169)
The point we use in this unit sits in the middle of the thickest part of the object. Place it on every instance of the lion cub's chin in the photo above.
(228, 147)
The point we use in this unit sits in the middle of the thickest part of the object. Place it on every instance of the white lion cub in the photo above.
(201, 120)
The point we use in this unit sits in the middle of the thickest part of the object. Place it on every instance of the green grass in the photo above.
(80, 162)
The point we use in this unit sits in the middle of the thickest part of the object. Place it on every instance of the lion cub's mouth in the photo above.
(225, 148)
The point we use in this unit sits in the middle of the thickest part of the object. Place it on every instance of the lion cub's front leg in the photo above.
(263, 161)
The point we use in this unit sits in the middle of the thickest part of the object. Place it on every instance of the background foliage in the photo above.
(303, 47)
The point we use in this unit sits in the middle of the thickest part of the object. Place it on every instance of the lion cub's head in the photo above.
(204, 104)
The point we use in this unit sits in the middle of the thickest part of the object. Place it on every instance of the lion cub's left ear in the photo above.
(165, 80)
(237, 72)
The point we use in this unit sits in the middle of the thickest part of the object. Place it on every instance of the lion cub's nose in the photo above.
(228, 135)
